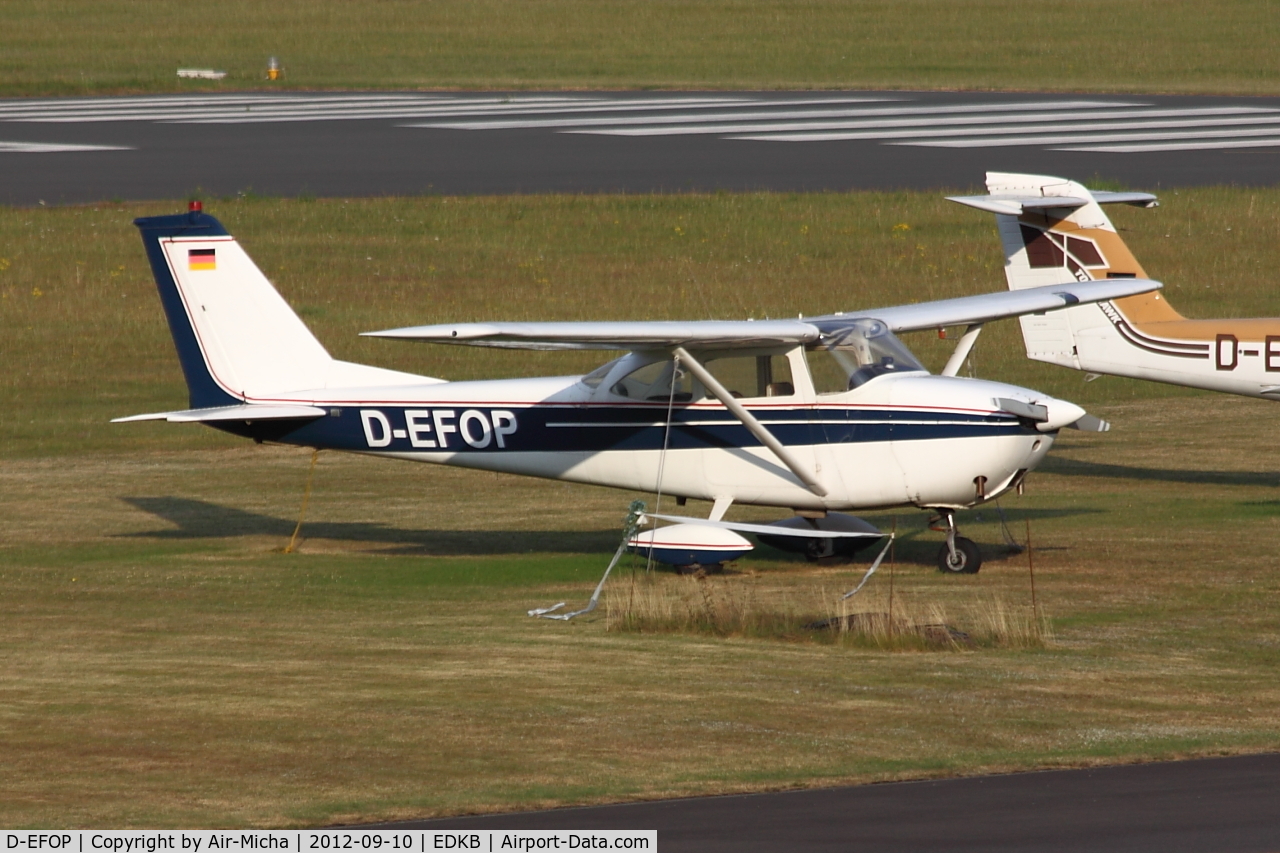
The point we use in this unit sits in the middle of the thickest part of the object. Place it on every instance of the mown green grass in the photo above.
(164, 664)
(96, 46)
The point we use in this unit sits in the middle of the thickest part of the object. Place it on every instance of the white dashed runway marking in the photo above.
(659, 125)
(1070, 125)
(54, 147)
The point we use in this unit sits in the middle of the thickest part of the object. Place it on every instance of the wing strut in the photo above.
(963, 348)
(749, 421)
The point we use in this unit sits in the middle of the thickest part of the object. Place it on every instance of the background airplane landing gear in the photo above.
(966, 561)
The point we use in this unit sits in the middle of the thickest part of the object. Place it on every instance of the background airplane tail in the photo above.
(237, 339)
(1054, 231)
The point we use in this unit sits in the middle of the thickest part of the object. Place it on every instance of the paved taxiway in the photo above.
(1217, 804)
(359, 144)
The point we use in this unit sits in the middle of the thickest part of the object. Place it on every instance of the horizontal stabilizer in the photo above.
(1016, 205)
(1015, 194)
(770, 529)
(246, 412)
(1134, 199)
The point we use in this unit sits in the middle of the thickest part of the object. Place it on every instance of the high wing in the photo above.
(726, 334)
(984, 307)
(639, 335)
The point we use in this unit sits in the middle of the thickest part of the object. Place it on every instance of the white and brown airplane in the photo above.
(1054, 231)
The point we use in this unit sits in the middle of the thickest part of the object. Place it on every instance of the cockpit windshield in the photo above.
(854, 352)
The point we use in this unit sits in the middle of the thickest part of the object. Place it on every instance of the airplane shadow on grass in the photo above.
(195, 519)
(1077, 468)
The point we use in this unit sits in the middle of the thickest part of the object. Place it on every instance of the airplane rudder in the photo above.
(203, 388)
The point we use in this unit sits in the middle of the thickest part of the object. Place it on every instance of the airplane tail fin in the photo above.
(237, 339)
(1054, 231)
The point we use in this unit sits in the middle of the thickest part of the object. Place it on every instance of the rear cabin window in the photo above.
(753, 375)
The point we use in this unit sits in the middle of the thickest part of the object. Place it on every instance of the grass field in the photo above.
(65, 47)
(164, 664)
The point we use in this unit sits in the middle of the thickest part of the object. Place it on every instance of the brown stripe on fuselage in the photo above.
(1249, 329)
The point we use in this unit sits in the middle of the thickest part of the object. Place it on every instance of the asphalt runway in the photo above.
(362, 144)
(1217, 804)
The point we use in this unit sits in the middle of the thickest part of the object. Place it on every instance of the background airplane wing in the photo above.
(726, 334)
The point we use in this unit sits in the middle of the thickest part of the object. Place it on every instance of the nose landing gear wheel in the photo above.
(967, 559)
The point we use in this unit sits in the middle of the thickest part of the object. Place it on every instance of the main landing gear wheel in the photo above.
(966, 561)
(816, 549)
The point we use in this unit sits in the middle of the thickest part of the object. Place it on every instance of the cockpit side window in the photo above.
(829, 375)
(652, 382)
(855, 352)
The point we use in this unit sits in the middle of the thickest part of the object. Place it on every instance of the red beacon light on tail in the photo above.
(195, 206)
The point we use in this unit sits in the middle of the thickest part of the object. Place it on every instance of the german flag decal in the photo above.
(202, 259)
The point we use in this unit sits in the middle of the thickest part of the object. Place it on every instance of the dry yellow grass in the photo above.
(750, 604)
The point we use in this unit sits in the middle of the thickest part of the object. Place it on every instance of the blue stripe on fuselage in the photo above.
(548, 428)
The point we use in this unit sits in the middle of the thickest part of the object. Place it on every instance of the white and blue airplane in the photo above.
(819, 415)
